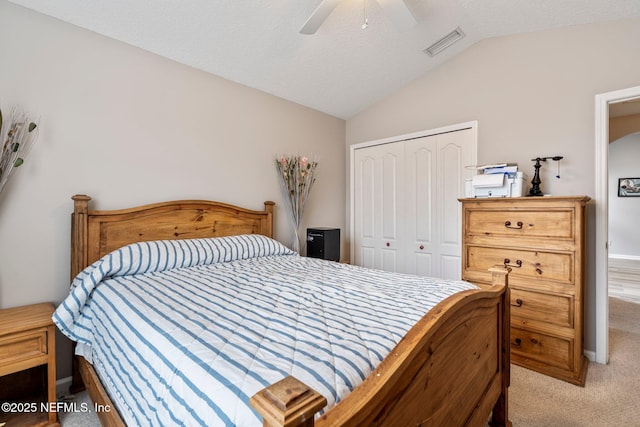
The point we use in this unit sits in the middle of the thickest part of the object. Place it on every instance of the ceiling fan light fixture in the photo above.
(323, 10)
(444, 42)
(396, 10)
(365, 21)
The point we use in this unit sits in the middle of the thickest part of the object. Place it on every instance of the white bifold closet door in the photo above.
(407, 217)
(378, 201)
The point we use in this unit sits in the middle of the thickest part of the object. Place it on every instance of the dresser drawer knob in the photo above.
(518, 303)
(517, 342)
(518, 225)
(507, 262)
(538, 270)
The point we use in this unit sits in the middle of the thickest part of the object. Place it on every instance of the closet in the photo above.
(405, 212)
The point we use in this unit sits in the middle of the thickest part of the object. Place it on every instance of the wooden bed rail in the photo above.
(291, 403)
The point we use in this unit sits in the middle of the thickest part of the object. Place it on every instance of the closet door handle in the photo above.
(388, 244)
(518, 226)
(421, 247)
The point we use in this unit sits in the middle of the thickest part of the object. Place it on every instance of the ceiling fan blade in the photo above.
(318, 16)
(398, 13)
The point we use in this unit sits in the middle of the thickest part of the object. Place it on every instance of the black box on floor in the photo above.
(323, 243)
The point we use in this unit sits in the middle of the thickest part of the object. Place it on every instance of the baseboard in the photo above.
(591, 355)
(625, 257)
(624, 277)
(62, 386)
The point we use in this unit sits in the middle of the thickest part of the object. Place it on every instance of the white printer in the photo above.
(495, 185)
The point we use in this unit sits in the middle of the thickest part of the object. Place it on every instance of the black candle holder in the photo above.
(535, 182)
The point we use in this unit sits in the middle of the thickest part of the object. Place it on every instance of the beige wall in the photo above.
(128, 127)
(533, 95)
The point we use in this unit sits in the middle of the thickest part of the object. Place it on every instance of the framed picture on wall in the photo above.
(629, 187)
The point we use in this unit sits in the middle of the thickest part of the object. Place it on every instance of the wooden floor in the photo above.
(624, 279)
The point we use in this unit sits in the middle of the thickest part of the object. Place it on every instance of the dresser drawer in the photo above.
(547, 349)
(521, 223)
(538, 265)
(534, 307)
(22, 350)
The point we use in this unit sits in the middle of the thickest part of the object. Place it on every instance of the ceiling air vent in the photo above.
(444, 42)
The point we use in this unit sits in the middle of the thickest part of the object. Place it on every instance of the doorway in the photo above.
(602, 210)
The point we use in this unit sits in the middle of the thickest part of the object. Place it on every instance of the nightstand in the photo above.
(27, 340)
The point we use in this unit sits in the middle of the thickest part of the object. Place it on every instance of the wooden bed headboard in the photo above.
(96, 233)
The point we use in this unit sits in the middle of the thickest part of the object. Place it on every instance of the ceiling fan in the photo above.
(396, 11)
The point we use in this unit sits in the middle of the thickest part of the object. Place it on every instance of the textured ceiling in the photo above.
(341, 69)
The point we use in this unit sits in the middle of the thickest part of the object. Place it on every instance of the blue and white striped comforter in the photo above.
(185, 332)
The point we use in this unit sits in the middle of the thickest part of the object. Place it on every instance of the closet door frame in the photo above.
(473, 125)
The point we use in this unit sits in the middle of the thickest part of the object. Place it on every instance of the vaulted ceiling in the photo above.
(339, 70)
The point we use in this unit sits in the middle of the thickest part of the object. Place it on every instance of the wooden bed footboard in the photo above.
(452, 367)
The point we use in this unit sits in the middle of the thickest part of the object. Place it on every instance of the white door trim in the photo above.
(473, 125)
(602, 219)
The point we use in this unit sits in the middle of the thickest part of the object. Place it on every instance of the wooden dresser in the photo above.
(542, 239)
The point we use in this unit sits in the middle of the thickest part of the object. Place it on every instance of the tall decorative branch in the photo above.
(17, 135)
(297, 175)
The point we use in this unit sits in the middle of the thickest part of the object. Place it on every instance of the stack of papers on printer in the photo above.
(501, 168)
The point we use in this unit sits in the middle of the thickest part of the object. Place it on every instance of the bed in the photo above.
(448, 365)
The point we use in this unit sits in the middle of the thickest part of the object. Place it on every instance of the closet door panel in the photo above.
(367, 257)
(378, 196)
(365, 209)
(450, 267)
(390, 193)
(392, 164)
(422, 192)
(420, 186)
(389, 260)
(367, 198)
(423, 264)
(454, 161)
